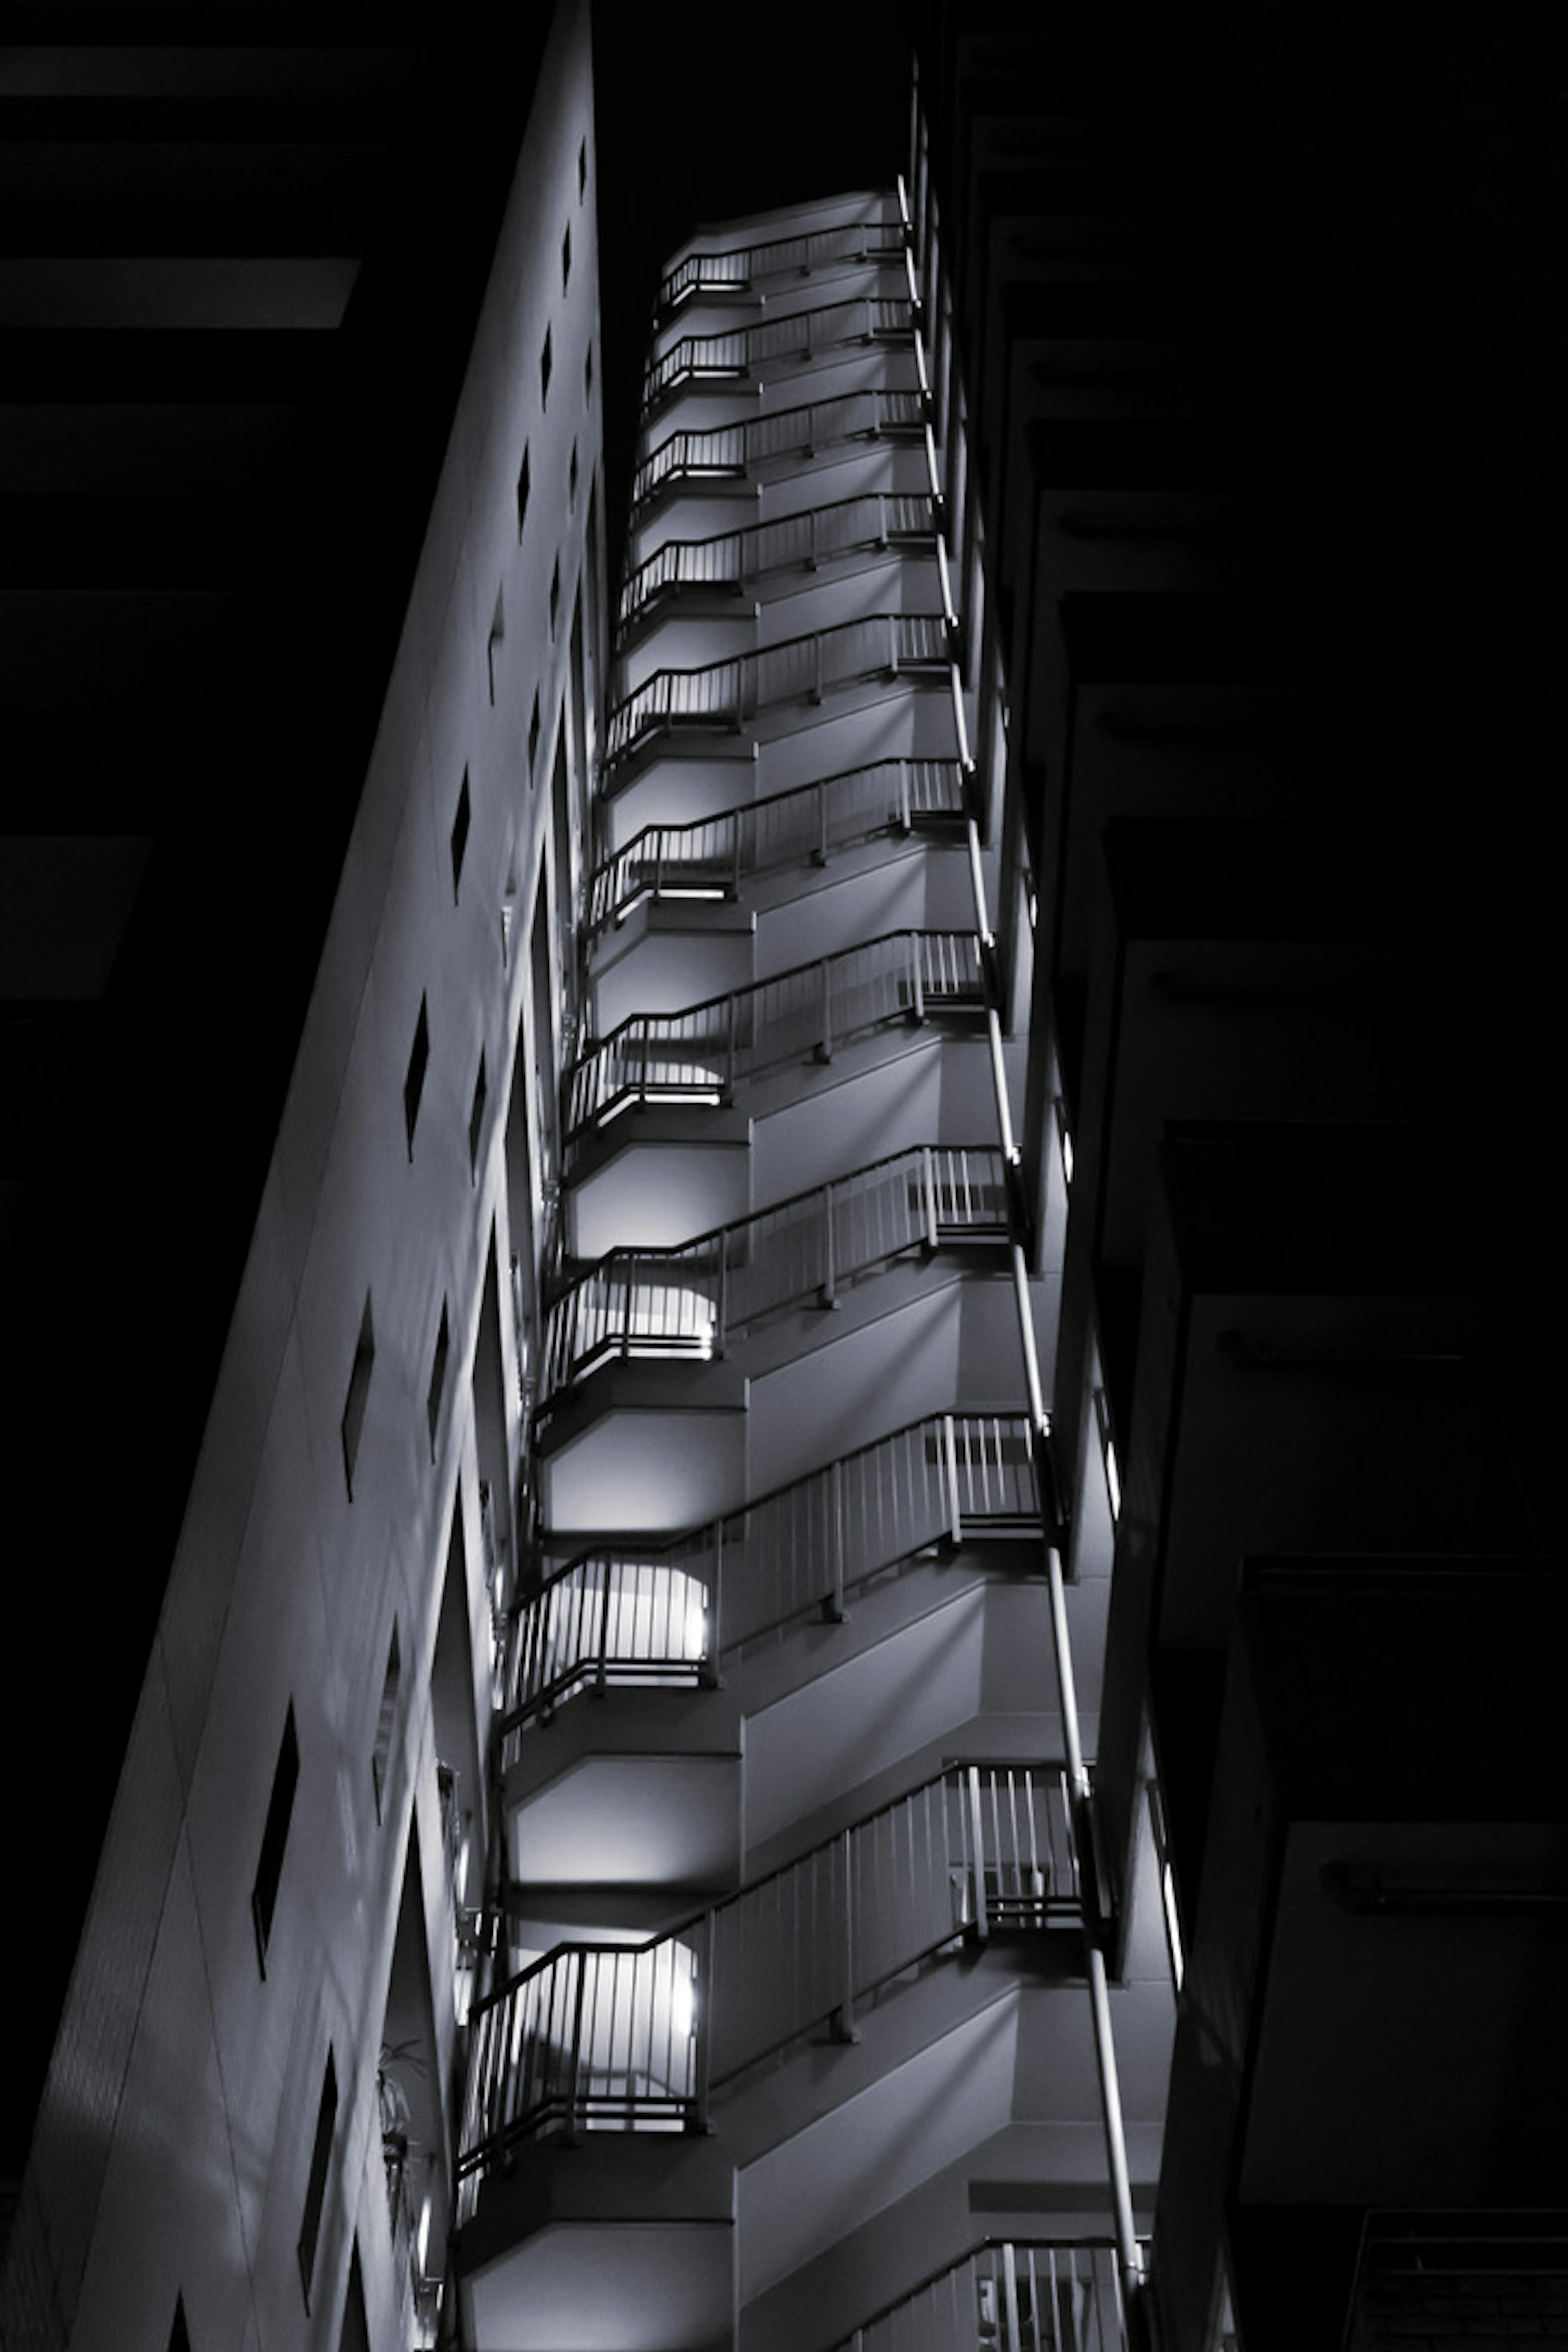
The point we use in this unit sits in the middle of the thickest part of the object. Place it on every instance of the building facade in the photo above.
(861, 1651)
(801, 2000)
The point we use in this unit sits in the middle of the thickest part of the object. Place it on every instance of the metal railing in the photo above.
(731, 559)
(1009, 2295)
(702, 1052)
(728, 693)
(800, 336)
(618, 2038)
(728, 452)
(691, 1301)
(668, 1613)
(733, 270)
(712, 857)
(592, 2037)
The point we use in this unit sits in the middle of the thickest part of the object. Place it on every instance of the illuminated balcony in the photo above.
(775, 345)
(707, 1053)
(737, 268)
(713, 857)
(701, 458)
(613, 2086)
(725, 695)
(1011, 2295)
(667, 1370)
(605, 2037)
(674, 1613)
(731, 561)
(689, 1303)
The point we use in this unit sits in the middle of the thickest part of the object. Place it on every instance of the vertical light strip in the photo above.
(1128, 2252)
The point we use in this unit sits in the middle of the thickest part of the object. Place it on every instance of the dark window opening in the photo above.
(477, 1120)
(554, 596)
(533, 739)
(523, 486)
(386, 1718)
(414, 1083)
(572, 478)
(546, 363)
(497, 631)
(566, 262)
(316, 2186)
(179, 2334)
(588, 374)
(275, 1837)
(358, 1397)
(437, 1377)
(583, 171)
(460, 834)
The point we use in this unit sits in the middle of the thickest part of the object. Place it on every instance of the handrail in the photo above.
(591, 2036)
(690, 1301)
(731, 559)
(669, 1612)
(1009, 2295)
(727, 693)
(605, 2037)
(719, 452)
(800, 335)
(702, 1052)
(731, 270)
(711, 856)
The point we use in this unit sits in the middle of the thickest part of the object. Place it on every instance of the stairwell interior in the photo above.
(799, 1986)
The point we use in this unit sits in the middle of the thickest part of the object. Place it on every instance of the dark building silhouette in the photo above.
(787, 1196)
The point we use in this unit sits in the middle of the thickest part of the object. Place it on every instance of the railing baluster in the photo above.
(1015, 2335)
(977, 1860)
(828, 1288)
(574, 2062)
(833, 1609)
(950, 1462)
(843, 2015)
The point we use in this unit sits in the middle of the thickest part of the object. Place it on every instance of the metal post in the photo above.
(1128, 2252)
(574, 2089)
(950, 1464)
(917, 984)
(601, 1674)
(1010, 2296)
(843, 2017)
(978, 1855)
(833, 1607)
